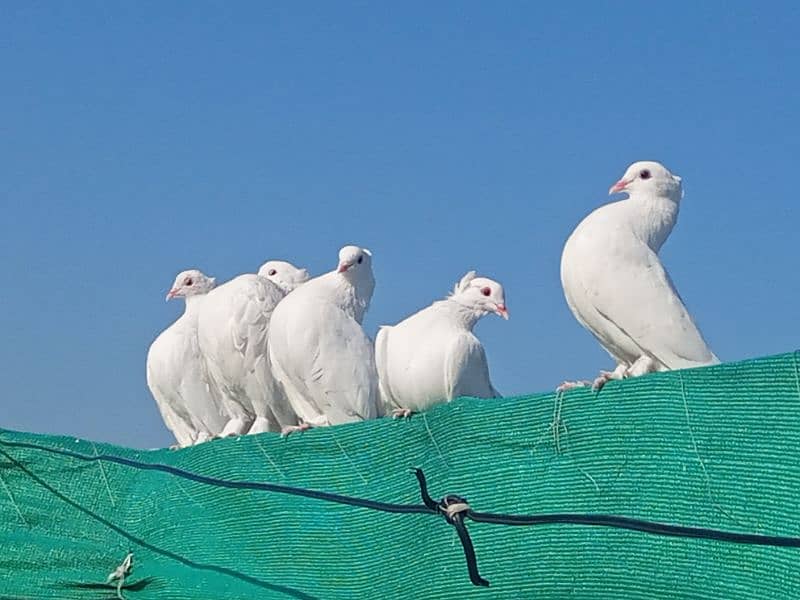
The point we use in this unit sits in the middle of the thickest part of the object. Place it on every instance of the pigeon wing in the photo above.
(163, 383)
(342, 374)
(382, 365)
(639, 298)
(466, 369)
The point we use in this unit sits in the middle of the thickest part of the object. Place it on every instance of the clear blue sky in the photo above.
(139, 139)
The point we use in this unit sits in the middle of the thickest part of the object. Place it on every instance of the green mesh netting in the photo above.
(715, 447)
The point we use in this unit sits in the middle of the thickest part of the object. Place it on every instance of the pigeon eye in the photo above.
(645, 174)
(187, 281)
(486, 291)
(272, 272)
(360, 259)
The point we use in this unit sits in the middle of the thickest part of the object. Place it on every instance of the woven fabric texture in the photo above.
(714, 447)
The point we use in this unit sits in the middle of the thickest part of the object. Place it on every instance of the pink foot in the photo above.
(602, 379)
(401, 413)
(571, 385)
(293, 428)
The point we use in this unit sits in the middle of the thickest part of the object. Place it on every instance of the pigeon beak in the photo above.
(171, 294)
(502, 311)
(343, 267)
(618, 187)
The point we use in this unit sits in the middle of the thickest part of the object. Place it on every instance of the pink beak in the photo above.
(502, 311)
(171, 294)
(618, 187)
(343, 267)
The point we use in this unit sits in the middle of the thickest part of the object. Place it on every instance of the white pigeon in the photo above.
(283, 274)
(232, 329)
(176, 371)
(433, 356)
(617, 287)
(318, 349)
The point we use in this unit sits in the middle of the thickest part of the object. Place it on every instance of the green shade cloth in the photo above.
(716, 447)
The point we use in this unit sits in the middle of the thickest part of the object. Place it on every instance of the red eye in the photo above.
(187, 281)
(486, 291)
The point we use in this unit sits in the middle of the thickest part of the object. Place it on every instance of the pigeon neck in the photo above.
(289, 284)
(353, 295)
(465, 315)
(192, 304)
(296, 280)
(659, 215)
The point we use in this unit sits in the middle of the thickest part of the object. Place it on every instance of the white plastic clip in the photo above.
(120, 573)
(458, 507)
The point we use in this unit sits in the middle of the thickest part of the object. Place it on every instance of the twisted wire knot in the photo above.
(452, 506)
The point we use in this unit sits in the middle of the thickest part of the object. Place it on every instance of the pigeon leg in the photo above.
(293, 428)
(571, 385)
(402, 413)
(642, 366)
(201, 438)
(606, 376)
(234, 427)
(260, 425)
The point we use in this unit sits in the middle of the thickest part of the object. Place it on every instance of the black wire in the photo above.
(636, 525)
(469, 551)
(423, 491)
(599, 520)
(227, 483)
(430, 505)
(456, 521)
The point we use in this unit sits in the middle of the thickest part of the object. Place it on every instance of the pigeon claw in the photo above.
(402, 413)
(571, 385)
(289, 429)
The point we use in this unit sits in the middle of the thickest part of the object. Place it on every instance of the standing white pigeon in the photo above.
(176, 372)
(283, 274)
(617, 287)
(319, 352)
(433, 356)
(233, 325)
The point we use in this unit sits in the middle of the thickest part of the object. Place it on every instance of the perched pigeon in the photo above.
(433, 356)
(319, 352)
(232, 329)
(617, 287)
(283, 274)
(176, 372)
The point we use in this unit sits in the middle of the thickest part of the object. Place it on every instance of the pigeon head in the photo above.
(191, 283)
(481, 294)
(353, 279)
(283, 274)
(651, 178)
(354, 260)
